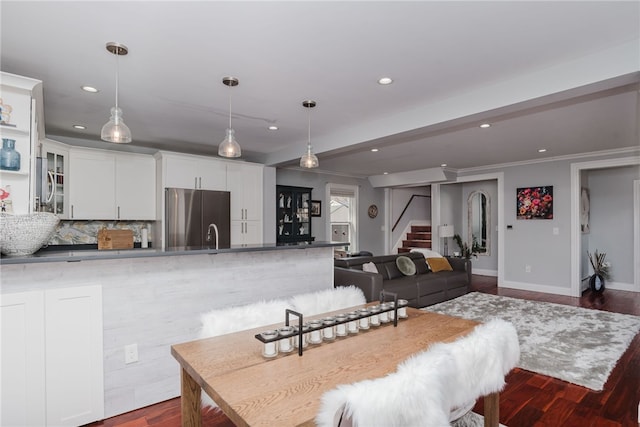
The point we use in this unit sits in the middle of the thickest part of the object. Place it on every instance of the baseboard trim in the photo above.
(620, 286)
(484, 272)
(523, 286)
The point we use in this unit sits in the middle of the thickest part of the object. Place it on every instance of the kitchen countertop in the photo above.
(52, 255)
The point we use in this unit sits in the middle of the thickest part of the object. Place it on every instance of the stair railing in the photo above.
(405, 209)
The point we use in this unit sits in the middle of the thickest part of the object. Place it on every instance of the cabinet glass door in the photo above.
(292, 214)
(55, 183)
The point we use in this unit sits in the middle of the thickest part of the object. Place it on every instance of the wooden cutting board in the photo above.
(115, 239)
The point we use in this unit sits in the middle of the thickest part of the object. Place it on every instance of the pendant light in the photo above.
(229, 147)
(115, 130)
(309, 160)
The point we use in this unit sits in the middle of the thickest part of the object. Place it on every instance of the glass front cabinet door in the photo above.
(54, 198)
(292, 214)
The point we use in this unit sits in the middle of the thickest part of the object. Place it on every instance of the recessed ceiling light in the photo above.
(79, 127)
(385, 80)
(444, 165)
(374, 150)
(385, 173)
(485, 125)
(542, 150)
(273, 127)
(90, 89)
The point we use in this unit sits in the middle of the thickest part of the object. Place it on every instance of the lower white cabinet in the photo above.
(52, 357)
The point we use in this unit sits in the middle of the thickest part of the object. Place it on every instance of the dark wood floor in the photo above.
(529, 399)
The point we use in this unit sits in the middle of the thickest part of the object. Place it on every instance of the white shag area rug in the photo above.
(574, 344)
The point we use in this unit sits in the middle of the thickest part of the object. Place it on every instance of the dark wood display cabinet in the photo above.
(293, 219)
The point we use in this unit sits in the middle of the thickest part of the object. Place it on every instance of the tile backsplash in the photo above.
(86, 232)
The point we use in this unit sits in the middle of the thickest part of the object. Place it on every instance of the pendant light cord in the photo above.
(229, 107)
(117, 76)
(309, 128)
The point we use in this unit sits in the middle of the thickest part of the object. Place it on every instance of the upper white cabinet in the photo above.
(21, 112)
(135, 187)
(106, 185)
(244, 181)
(54, 198)
(92, 191)
(184, 171)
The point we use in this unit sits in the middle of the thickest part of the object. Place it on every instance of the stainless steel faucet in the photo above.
(209, 233)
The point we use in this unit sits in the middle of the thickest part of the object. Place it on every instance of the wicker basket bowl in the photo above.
(25, 234)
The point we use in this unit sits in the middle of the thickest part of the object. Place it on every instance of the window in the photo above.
(343, 211)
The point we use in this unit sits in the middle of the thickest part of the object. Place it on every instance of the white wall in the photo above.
(611, 221)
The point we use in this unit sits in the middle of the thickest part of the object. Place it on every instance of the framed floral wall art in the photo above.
(534, 202)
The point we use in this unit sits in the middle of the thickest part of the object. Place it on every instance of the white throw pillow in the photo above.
(428, 253)
(369, 267)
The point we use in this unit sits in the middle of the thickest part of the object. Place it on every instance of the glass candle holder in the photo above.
(352, 326)
(270, 349)
(392, 313)
(315, 336)
(296, 338)
(374, 320)
(285, 344)
(384, 315)
(341, 328)
(402, 308)
(328, 333)
(364, 320)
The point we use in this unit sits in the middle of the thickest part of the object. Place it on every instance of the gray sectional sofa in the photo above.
(421, 289)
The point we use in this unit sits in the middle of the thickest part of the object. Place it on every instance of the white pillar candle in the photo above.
(364, 321)
(315, 336)
(341, 328)
(284, 344)
(270, 349)
(353, 322)
(384, 316)
(328, 332)
(402, 308)
(374, 320)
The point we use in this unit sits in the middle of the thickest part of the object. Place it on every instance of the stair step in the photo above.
(404, 250)
(421, 228)
(416, 243)
(422, 235)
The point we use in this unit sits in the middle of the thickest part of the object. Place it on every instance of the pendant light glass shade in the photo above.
(116, 130)
(309, 160)
(229, 147)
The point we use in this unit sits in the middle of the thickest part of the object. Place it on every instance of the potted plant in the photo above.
(600, 271)
(467, 252)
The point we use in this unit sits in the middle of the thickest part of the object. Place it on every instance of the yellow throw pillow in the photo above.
(439, 264)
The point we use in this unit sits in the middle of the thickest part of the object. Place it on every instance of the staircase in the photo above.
(418, 237)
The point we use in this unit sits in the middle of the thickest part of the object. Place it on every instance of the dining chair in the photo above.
(431, 388)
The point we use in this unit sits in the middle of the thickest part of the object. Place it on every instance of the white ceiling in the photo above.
(556, 75)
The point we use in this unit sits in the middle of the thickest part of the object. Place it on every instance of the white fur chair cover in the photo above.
(240, 318)
(428, 386)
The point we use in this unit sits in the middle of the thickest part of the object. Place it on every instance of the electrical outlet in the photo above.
(527, 268)
(130, 353)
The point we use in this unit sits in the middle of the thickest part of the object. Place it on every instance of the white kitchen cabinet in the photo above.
(182, 171)
(74, 367)
(23, 377)
(135, 183)
(106, 185)
(92, 190)
(52, 357)
(55, 199)
(244, 181)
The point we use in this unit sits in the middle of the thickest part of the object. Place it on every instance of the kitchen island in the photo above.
(153, 298)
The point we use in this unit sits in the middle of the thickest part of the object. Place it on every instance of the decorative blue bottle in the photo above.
(9, 157)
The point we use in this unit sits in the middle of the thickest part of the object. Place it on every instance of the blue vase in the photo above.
(9, 157)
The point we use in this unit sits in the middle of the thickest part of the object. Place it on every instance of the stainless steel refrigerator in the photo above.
(197, 218)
